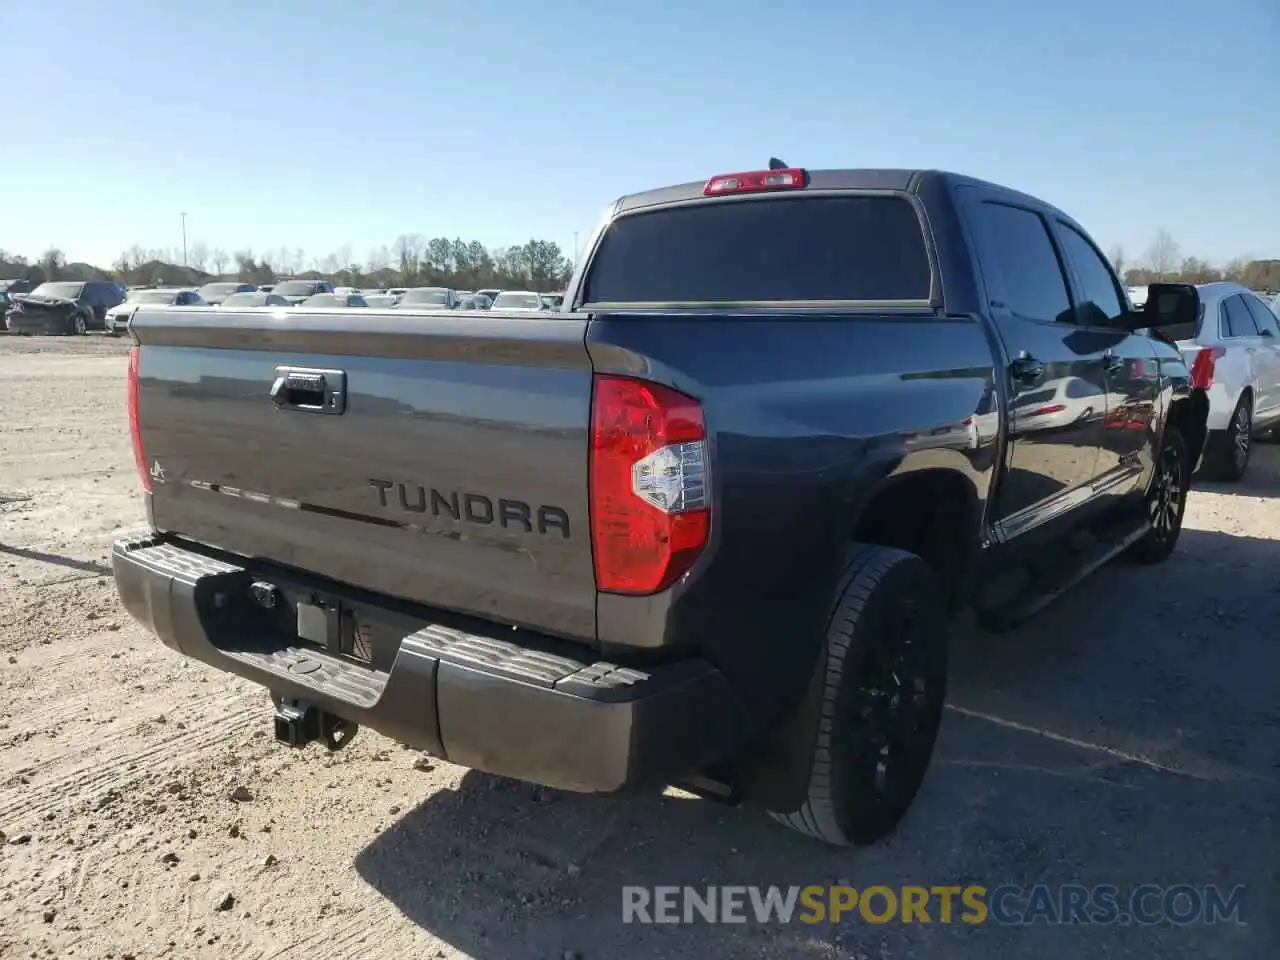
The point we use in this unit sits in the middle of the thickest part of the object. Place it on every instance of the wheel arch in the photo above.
(934, 512)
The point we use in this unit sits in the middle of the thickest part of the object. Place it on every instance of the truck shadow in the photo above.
(1128, 735)
(1261, 479)
(85, 566)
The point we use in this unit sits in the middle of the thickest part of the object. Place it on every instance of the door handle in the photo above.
(1026, 368)
(309, 391)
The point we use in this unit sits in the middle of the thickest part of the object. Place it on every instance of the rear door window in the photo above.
(1262, 316)
(1236, 319)
(1019, 257)
(1100, 303)
(787, 249)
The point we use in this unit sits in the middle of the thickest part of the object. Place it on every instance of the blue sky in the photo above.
(325, 124)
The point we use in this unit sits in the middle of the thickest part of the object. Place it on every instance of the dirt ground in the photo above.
(1131, 734)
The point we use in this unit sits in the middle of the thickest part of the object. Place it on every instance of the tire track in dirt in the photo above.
(118, 764)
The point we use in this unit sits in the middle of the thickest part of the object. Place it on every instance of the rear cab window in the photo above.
(787, 249)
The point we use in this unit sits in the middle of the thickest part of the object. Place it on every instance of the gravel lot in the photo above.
(1131, 734)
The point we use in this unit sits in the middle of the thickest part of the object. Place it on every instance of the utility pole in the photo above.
(575, 248)
(184, 238)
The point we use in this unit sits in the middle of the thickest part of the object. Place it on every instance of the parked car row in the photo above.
(76, 307)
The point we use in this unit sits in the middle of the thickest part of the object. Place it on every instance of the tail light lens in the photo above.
(135, 428)
(1203, 366)
(650, 485)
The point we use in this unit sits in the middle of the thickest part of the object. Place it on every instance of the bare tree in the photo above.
(283, 259)
(408, 251)
(220, 261)
(1118, 259)
(379, 259)
(52, 261)
(1235, 269)
(1163, 255)
(245, 264)
(199, 255)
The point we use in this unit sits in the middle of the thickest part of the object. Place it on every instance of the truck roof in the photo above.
(901, 180)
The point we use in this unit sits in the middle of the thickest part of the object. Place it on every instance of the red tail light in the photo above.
(135, 428)
(1203, 365)
(791, 178)
(650, 485)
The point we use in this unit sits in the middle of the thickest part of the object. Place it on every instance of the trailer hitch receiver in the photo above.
(298, 722)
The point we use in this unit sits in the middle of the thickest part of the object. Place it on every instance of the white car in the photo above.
(524, 301)
(1059, 403)
(1233, 353)
(116, 320)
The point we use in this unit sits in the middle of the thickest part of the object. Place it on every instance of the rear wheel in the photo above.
(1166, 501)
(884, 672)
(1226, 455)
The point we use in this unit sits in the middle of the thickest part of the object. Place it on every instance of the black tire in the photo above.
(889, 622)
(1165, 502)
(79, 327)
(1227, 452)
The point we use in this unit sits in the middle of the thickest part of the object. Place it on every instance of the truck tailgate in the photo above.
(450, 468)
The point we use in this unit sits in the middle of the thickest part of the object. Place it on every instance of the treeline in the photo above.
(1164, 262)
(468, 265)
(411, 261)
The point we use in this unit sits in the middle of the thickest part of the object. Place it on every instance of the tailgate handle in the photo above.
(309, 391)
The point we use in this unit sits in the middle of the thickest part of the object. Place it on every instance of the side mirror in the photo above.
(1170, 304)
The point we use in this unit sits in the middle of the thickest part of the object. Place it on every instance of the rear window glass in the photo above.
(785, 248)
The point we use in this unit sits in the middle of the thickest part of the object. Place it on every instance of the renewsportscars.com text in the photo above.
(1183, 904)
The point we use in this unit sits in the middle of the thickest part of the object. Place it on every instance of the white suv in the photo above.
(1233, 353)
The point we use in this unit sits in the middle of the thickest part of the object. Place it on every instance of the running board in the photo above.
(1039, 589)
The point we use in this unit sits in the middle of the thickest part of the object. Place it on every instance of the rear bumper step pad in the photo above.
(524, 710)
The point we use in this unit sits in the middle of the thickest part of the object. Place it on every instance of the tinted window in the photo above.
(1078, 389)
(1262, 315)
(67, 291)
(1236, 319)
(1018, 252)
(1100, 301)
(1035, 399)
(297, 288)
(793, 248)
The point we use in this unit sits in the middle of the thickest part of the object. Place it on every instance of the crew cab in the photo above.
(704, 526)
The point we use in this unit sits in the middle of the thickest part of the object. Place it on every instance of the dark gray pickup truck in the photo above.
(704, 526)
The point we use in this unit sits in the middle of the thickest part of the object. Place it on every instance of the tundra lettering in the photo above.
(474, 508)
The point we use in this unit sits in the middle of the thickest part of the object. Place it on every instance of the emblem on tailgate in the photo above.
(465, 507)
